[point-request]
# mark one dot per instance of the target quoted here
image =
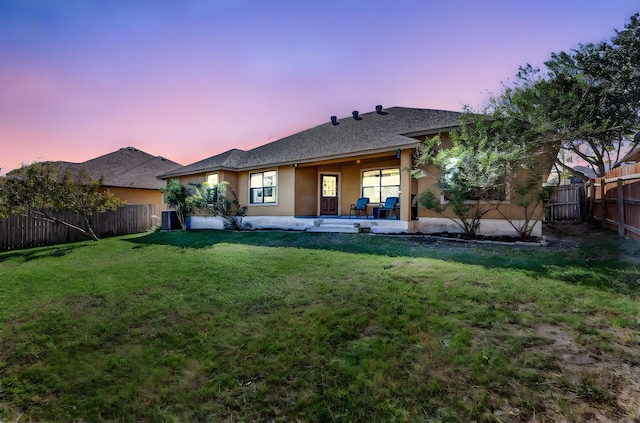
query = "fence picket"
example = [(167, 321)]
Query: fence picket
[(26, 231), (617, 201), (566, 203)]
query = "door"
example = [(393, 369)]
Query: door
[(329, 195)]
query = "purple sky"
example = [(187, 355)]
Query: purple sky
[(192, 78)]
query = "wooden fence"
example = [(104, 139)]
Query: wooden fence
[(26, 231), (566, 204), (615, 200)]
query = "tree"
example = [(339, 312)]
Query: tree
[(214, 201), (492, 158), (39, 189), (180, 198), (587, 102), (200, 197)]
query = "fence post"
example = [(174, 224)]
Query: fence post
[(603, 201), (592, 197), (620, 209)]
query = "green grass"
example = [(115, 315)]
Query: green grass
[(283, 326)]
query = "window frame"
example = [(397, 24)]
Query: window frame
[(450, 168), (273, 187), (212, 189), (380, 186)]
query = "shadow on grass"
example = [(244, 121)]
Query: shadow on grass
[(592, 264), (36, 253)]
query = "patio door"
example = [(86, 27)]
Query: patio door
[(329, 196)]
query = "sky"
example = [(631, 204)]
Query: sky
[(188, 79)]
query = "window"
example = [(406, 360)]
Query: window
[(476, 189), (213, 179), (262, 188), (380, 184)]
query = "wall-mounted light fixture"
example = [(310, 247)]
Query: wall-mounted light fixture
[(398, 153)]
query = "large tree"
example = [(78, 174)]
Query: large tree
[(586, 101), (492, 157), (40, 189)]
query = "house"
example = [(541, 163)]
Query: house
[(129, 173), (312, 178)]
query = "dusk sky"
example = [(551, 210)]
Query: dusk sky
[(193, 78)]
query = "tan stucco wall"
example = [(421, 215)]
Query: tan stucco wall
[(509, 208), (137, 196), (307, 191), (351, 182), (196, 178), (298, 188), (285, 193)]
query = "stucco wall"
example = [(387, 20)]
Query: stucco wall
[(351, 182), (137, 196), (196, 178), (285, 193), (509, 207), (307, 191)]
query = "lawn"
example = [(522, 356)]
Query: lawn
[(283, 326)]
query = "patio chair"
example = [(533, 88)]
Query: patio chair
[(390, 208), (359, 207)]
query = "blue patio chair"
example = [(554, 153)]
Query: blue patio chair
[(391, 206), (359, 207)]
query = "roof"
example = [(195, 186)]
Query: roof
[(633, 155), (129, 168), (125, 168), (586, 171), (227, 160), (371, 132)]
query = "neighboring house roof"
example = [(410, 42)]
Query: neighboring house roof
[(368, 133), (129, 168), (125, 168), (633, 155), (586, 171)]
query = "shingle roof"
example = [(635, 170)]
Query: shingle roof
[(372, 132), (227, 160), (129, 168), (586, 171), (125, 168)]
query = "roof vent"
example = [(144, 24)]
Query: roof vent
[(379, 110), (334, 121), (356, 115)]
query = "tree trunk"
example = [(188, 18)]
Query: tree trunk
[(44, 216)]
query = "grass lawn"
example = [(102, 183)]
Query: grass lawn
[(282, 326)]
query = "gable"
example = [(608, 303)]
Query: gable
[(129, 168)]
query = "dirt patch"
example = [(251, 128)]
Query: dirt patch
[(608, 380)]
